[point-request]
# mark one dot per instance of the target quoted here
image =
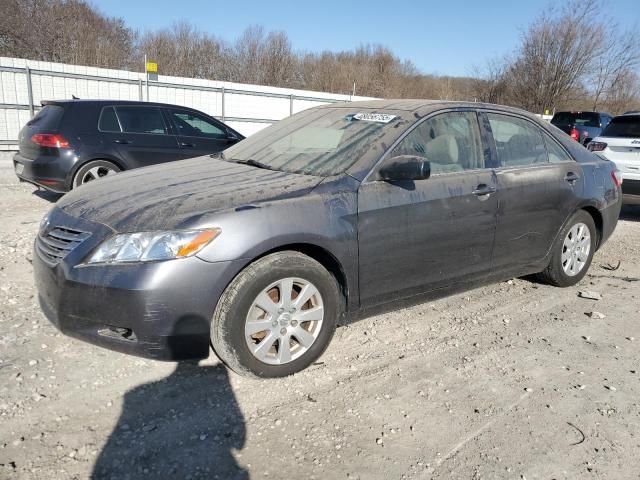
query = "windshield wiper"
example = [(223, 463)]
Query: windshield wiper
[(254, 163)]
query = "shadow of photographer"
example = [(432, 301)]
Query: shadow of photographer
[(183, 426)]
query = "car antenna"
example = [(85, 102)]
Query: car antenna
[(74, 97)]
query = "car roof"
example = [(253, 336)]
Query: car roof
[(80, 101), (423, 107)]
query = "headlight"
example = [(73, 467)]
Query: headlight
[(148, 246)]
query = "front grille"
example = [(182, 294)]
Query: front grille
[(58, 243)]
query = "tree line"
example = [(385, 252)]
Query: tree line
[(572, 57)]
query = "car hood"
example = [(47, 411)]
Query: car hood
[(179, 194)]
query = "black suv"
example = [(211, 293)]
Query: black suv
[(581, 126), (72, 142)]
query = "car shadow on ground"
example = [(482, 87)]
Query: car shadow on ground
[(630, 213), (51, 197), (183, 426)]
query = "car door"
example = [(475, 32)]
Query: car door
[(199, 134), (422, 235), (538, 186), (139, 133)]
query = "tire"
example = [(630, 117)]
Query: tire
[(262, 352), (93, 170), (558, 272)]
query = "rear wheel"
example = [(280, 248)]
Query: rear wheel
[(94, 170), (572, 252), (277, 316)]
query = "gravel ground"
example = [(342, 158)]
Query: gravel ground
[(514, 380)]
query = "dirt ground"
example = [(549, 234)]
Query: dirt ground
[(514, 380)]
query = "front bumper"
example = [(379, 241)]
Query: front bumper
[(50, 172), (159, 310)]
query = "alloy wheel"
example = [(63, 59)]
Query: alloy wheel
[(575, 249), (284, 321)]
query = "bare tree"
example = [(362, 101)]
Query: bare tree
[(489, 83), (556, 53), (619, 57), (567, 58)]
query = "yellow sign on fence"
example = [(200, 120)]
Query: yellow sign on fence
[(152, 67)]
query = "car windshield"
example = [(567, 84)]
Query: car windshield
[(323, 142), (583, 119), (627, 127)]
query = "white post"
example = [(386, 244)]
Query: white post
[(146, 75)]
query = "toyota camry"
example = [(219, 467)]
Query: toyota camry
[(324, 218)]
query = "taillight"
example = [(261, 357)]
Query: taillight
[(596, 146), (617, 177), (575, 134), (52, 140)]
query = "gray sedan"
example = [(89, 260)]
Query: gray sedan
[(326, 217)]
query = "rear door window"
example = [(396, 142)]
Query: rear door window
[(625, 127), (191, 124), (518, 142), (141, 120), (108, 121), (450, 141)]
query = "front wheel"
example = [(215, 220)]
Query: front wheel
[(572, 251), (277, 316)]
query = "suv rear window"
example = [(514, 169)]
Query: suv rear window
[(48, 117), (583, 119), (627, 127)]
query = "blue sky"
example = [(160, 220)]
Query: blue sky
[(446, 37)]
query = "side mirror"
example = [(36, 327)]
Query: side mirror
[(405, 167)]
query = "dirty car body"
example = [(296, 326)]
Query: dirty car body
[(490, 207)]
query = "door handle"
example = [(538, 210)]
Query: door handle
[(571, 178), (484, 189), (187, 145), (121, 141)]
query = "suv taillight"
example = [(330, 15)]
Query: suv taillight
[(52, 140), (596, 146), (617, 177), (575, 134)]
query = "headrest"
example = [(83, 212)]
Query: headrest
[(443, 150)]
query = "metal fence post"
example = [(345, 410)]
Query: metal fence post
[(223, 111), (140, 90), (29, 90), (290, 105)]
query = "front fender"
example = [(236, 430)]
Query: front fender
[(323, 220)]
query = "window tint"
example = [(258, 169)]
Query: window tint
[(450, 141), (555, 151), (518, 142), (141, 120), (192, 125), (108, 121), (48, 117), (627, 126)]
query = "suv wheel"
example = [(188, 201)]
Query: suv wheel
[(277, 316), (572, 251), (94, 170)]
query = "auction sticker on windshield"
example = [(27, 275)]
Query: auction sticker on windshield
[(374, 117)]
